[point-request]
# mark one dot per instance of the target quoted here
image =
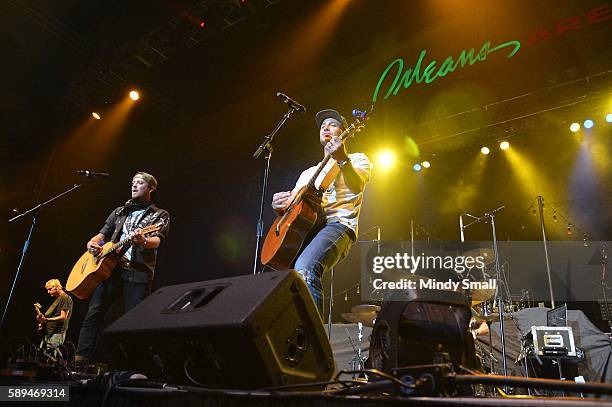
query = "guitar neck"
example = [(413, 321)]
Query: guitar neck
[(116, 246), (145, 231)]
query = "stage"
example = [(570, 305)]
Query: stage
[(233, 197), (155, 395)]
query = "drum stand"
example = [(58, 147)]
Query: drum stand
[(487, 312), (358, 362)]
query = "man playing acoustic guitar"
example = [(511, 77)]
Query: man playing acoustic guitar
[(132, 277), (343, 180)]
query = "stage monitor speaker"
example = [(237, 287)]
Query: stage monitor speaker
[(245, 332), (412, 332)]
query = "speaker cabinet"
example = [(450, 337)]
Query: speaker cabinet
[(408, 333), (244, 332)]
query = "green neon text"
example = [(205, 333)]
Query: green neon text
[(430, 74)]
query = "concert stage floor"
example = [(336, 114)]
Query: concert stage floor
[(89, 395), (147, 393)]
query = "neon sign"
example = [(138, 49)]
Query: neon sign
[(430, 74)]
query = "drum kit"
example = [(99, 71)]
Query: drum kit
[(484, 313)]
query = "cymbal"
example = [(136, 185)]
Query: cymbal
[(481, 295), (364, 313), (487, 318), (350, 317), (486, 253), (365, 309)]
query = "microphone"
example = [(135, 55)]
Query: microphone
[(359, 114), (461, 228), (292, 103), (93, 174)]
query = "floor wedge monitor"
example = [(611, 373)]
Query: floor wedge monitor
[(249, 332)]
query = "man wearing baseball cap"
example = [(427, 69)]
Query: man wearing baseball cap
[(343, 181), (132, 278)]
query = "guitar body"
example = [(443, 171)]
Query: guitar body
[(89, 271), (289, 231)]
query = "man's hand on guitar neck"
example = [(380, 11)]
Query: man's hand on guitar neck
[(138, 238), (148, 242), (280, 201), (336, 148)]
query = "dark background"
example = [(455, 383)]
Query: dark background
[(207, 104)]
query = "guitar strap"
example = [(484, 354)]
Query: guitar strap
[(52, 307), (135, 225), (125, 210), (329, 173), (142, 218)]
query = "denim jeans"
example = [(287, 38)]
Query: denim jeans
[(101, 300), (328, 247), (51, 344)]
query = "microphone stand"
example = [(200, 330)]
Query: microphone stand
[(545, 241), (35, 211), (266, 145), (498, 296), (500, 302), (604, 286)]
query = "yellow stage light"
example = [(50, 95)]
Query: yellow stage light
[(134, 95), (485, 150), (385, 159), (574, 127), (504, 145), (426, 164), (96, 115)]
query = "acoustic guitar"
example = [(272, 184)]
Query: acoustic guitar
[(287, 234), (37, 308), (90, 270)]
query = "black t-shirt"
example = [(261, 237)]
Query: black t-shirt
[(59, 327)]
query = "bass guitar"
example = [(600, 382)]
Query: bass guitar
[(287, 234), (37, 308), (91, 269)]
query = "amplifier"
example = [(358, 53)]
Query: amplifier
[(553, 341)]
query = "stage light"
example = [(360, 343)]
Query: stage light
[(385, 159), (417, 167), (504, 145), (588, 123), (574, 127), (134, 95), (202, 24), (609, 117), (426, 164), (485, 150), (96, 115)]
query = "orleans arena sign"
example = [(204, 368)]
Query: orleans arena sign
[(421, 73)]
